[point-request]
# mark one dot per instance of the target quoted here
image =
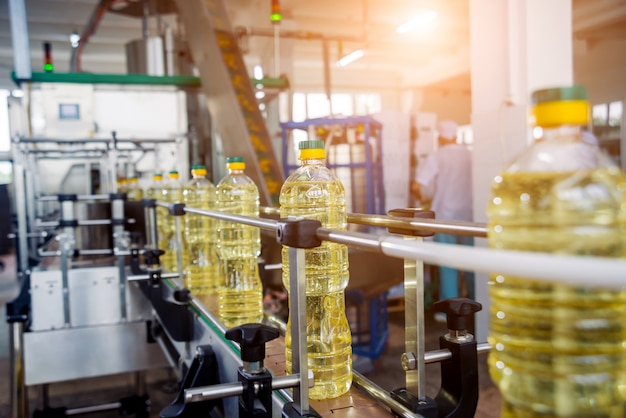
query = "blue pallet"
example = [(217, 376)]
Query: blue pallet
[(368, 320)]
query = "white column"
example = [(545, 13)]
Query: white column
[(517, 46)]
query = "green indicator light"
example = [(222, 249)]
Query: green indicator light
[(276, 17), (48, 67)]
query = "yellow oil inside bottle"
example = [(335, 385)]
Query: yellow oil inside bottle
[(202, 268), (153, 191), (134, 190), (558, 350), (328, 332), (240, 295)]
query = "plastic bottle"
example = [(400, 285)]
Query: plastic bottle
[(314, 192), (202, 269), (559, 350), (171, 192), (240, 296), (122, 185), (153, 191), (134, 191)]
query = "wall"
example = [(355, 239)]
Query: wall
[(601, 68), (453, 104)]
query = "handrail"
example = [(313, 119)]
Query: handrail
[(570, 269), (474, 229)]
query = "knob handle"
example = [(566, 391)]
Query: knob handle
[(152, 256), (458, 311), (252, 339)]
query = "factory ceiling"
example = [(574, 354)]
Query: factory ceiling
[(434, 54)]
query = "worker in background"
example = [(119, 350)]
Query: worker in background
[(445, 179)]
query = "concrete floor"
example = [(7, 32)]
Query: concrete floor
[(385, 371)]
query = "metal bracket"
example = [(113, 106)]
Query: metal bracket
[(174, 315), (202, 372)]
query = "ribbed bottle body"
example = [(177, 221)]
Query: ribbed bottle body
[(240, 295), (171, 192), (313, 192), (559, 350), (202, 268)]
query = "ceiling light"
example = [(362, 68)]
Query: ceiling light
[(258, 72), (351, 57), (416, 22), (74, 39)]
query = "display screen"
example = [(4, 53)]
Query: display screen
[(69, 111)]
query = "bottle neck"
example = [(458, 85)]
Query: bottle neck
[(234, 171), (560, 133), (312, 161)]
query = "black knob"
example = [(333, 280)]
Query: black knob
[(458, 311), (252, 339), (182, 295), (152, 256)]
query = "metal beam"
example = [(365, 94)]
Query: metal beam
[(19, 34), (230, 96)]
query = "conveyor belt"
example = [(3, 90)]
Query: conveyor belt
[(230, 97), (353, 404)]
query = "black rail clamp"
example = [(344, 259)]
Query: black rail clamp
[(118, 196), (175, 315), (73, 223), (176, 209), (458, 395), (298, 232), (67, 197), (148, 203), (256, 400)]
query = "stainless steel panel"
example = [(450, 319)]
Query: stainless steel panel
[(46, 293), (94, 296), (76, 353)]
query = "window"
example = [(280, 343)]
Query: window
[(315, 105), (607, 125)]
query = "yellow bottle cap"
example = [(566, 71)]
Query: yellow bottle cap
[(560, 106), (312, 150), (235, 163)]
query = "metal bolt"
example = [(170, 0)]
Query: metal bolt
[(409, 361)]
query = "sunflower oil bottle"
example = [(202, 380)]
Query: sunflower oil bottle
[(202, 268), (558, 350), (171, 192), (153, 190), (240, 295), (122, 184), (134, 190), (314, 192)]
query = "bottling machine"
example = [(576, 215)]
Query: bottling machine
[(95, 301), (86, 312)]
